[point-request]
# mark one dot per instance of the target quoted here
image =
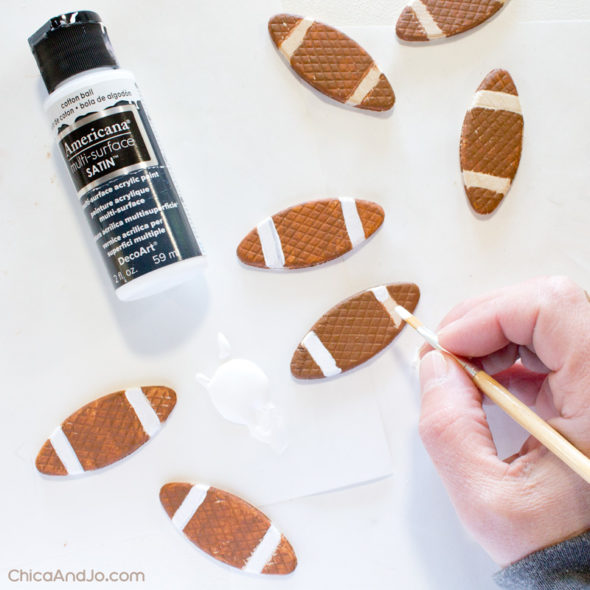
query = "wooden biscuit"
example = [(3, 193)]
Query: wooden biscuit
[(106, 430), (491, 141), (353, 331), (425, 20), (228, 528), (331, 62), (310, 233)]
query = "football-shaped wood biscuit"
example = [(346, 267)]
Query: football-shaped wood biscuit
[(310, 233), (491, 141), (228, 528), (106, 430), (331, 62), (424, 20), (353, 332)]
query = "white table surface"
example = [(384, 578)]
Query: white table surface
[(245, 139)]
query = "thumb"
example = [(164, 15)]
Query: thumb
[(454, 429)]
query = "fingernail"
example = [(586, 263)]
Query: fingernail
[(433, 368), (424, 350)]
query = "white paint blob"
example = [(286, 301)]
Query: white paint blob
[(240, 392)]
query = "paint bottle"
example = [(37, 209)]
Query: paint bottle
[(124, 185)]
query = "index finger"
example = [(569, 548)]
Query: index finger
[(549, 315)]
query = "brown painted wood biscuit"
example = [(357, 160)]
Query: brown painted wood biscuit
[(228, 528), (106, 430), (425, 20), (331, 62), (353, 331), (310, 233), (491, 141)]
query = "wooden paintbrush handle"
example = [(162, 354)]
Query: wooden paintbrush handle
[(543, 432)]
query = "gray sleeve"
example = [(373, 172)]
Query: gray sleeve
[(565, 566)]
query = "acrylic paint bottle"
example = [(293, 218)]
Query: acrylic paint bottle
[(136, 215)]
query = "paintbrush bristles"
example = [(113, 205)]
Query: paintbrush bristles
[(413, 321), (432, 338)]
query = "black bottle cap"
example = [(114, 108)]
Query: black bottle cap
[(69, 44)]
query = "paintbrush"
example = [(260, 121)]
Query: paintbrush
[(522, 414)]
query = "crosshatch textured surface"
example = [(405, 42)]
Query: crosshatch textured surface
[(312, 233), (451, 17), (228, 528), (105, 430), (355, 330), (491, 143), (332, 63)]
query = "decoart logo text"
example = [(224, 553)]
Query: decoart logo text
[(57, 575)]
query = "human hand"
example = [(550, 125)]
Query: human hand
[(535, 339)]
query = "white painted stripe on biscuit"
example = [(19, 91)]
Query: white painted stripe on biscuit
[(64, 450), (272, 248), (291, 43), (264, 552), (381, 293), (389, 304), (143, 410), (369, 81), (195, 497), (321, 355), (424, 17), (352, 220), (487, 181), (497, 101)]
